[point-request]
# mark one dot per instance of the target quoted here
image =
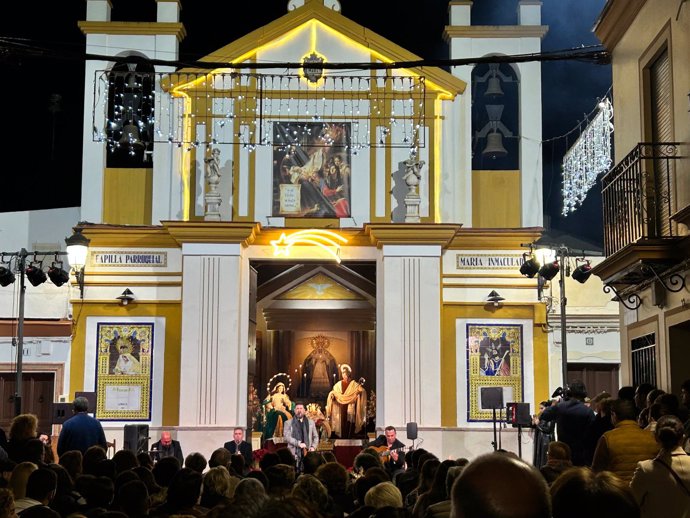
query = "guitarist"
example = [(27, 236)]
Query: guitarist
[(300, 434), (396, 459)]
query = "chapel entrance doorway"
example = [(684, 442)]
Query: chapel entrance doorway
[(307, 321)]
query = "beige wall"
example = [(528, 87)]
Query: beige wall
[(654, 24)]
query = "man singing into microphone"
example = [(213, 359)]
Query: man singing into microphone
[(300, 434)]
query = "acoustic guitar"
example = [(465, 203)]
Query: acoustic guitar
[(385, 453)]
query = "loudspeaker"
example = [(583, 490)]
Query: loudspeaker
[(136, 438), (491, 397), (411, 431), (61, 412), (517, 414)]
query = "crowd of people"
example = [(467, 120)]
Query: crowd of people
[(636, 468)]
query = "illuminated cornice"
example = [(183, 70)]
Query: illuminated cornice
[(411, 234), (495, 31), (212, 232), (125, 236), (494, 239), (134, 28)]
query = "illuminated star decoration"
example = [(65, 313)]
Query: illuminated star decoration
[(325, 239)]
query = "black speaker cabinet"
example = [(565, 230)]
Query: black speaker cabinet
[(517, 414), (136, 438), (61, 412), (491, 397), (411, 431)]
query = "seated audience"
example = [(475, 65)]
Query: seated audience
[(195, 461), (558, 460)]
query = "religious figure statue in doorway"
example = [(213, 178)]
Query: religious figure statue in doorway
[(320, 369), (346, 405), (279, 408)]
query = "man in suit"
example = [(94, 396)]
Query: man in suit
[(166, 447), (239, 445), (81, 431), (300, 434)]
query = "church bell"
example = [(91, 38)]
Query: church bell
[(494, 146), (493, 87)]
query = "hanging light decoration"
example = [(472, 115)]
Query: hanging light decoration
[(588, 158)]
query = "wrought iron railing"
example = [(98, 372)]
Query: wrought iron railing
[(638, 197)]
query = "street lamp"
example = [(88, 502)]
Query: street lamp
[(15, 263)]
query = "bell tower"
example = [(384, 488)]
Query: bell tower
[(502, 149)]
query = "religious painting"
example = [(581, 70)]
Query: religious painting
[(311, 169), (123, 371), (494, 362)]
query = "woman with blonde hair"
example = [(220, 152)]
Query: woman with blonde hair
[(384, 494), (24, 427), (19, 479), (7, 504)]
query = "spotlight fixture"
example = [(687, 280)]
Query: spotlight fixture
[(549, 270), (35, 274), (57, 274), (6, 276), (126, 297), (583, 271), (530, 266), (494, 298)]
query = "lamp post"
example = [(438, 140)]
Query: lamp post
[(562, 257), (36, 276)]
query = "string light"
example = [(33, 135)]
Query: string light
[(589, 157)]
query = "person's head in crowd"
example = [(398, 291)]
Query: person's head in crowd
[(260, 477), (92, 456), (217, 486), (23, 427), (641, 392), (80, 404), (124, 460), (364, 461), (268, 460), (426, 474), (64, 481), (377, 474), (334, 477), (289, 507), (122, 478), (383, 494), (416, 455), (655, 412), (310, 489), (623, 410), (437, 491), (391, 512), (596, 401), (7, 504), (42, 485), (653, 395), (311, 462), (285, 456), (146, 476), (144, 459), (250, 490), (164, 470), (6, 468), (281, 477), (20, 477), (685, 393), (559, 451), (361, 486), (577, 390), (97, 491), (35, 452), (219, 457), (626, 392), (329, 456), (669, 403), (71, 461), (451, 476), (105, 468), (133, 498), (423, 458), (184, 489), (500, 486), (195, 461), (643, 418), (579, 492), (669, 432), (406, 482), (237, 464)]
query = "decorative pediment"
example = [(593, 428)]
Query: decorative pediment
[(320, 287)]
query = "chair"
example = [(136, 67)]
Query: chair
[(111, 448)]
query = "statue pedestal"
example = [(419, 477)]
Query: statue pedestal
[(213, 201), (412, 202)]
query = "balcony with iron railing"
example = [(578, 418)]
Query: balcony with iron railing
[(640, 234)]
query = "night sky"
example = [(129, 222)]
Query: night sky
[(41, 160)]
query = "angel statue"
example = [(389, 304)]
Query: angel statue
[(278, 408)]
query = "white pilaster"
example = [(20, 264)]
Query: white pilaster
[(214, 336), (408, 351)]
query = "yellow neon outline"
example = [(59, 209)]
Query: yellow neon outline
[(314, 237)]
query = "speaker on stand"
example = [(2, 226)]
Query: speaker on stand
[(412, 432), (136, 438), (492, 398), (517, 414)]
